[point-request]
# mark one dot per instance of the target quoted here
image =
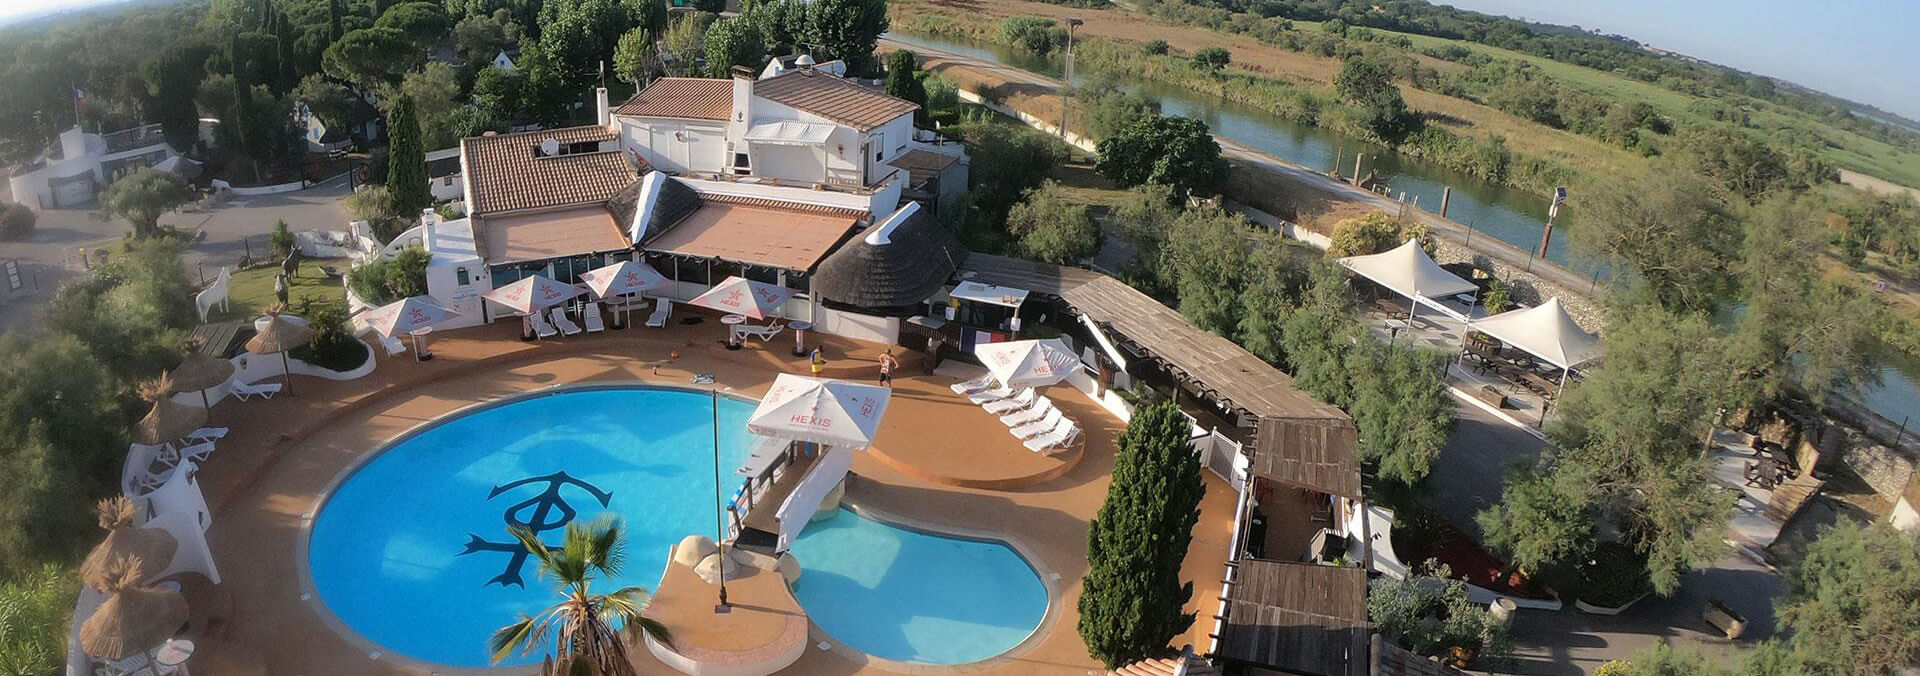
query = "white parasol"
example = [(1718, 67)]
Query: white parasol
[(1028, 363), (742, 296), (533, 294), (623, 278), (821, 411), (406, 316)]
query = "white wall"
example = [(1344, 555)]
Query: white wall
[(443, 285), (892, 140), (884, 330), (675, 146), (1904, 516)]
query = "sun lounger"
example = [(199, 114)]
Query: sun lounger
[(196, 452), (540, 326), (972, 386), (662, 311), (1058, 437), (1018, 402), (561, 322), (995, 394), (208, 434), (393, 345), (1052, 420), (1037, 411), (246, 391), (764, 333), (591, 317)]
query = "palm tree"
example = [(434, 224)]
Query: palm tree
[(585, 641)]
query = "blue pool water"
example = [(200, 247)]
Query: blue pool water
[(386, 548), (908, 596)]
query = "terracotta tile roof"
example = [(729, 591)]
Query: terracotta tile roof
[(508, 174), (833, 98), (685, 97), (1165, 666)]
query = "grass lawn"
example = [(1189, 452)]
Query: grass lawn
[(251, 292)]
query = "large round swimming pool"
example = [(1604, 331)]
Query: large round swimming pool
[(411, 550)]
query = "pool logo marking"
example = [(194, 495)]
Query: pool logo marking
[(542, 520)]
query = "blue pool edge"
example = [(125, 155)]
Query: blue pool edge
[(303, 540), (1044, 628)]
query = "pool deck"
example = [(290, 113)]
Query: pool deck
[(939, 462)]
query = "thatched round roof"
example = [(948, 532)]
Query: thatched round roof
[(199, 371), (167, 420), (152, 548), (279, 335), (134, 619), (893, 267)]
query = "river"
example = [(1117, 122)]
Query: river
[(1514, 216)]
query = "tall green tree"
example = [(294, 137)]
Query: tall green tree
[(496, 94), (435, 93), (407, 168), (1677, 233), (1400, 407), (635, 59), (848, 30), (1207, 260), (173, 78), (1801, 333), (1319, 332), (1048, 227), (424, 23), (544, 89), (1851, 604), (683, 47), (1170, 150), (370, 56), (1367, 86), (143, 196), (589, 632), (734, 42), (1133, 600), (903, 82), (1275, 279)]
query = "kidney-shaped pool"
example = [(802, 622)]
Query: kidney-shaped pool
[(904, 595)]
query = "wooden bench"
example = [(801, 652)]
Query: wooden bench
[(1491, 395)]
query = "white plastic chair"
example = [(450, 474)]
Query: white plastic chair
[(1060, 436), (540, 326), (1019, 402), (565, 325), (661, 313), (249, 390), (591, 316)]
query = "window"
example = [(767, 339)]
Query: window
[(740, 161), (763, 275), (461, 277), (690, 270)]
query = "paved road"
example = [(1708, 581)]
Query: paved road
[(49, 257)]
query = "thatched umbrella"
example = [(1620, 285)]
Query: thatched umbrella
[(280, 337), (168, 420), (134, 620), (198, 372), (151, 548)]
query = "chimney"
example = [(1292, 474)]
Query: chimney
[(743, 78), (602, 114)]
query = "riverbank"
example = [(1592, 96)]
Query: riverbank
[(1460, 135)]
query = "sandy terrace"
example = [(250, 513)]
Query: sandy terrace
[(271, 472)]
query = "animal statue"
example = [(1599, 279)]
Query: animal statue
[(291, 266), (280, 288)]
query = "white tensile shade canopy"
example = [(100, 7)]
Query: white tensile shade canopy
[(820, 411), (532, 294), (1545, 331), (622, 278), (742, 296), (1408, 271), (1028, 363), (407, 315)]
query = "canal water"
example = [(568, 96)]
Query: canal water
[(1513, 216)]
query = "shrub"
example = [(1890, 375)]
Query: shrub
[(33, 622), (1429, 612), (1158, 47), (16, 222), (1361, 235), (1047, 227), (1613, 575), (332, 346), (1212, 58), (1499, 297), (281, 241), (1034, 34), (384, 281)]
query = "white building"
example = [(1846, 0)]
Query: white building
[(444, 179), (85, 163)]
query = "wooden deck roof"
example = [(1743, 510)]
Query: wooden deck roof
[(1298, 439), (1299, 617)]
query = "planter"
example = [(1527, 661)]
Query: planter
[(1591, 609)]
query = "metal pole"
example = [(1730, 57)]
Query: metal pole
[(719, 520)]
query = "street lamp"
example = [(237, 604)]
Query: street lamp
[(1066, 87), (719, 515)]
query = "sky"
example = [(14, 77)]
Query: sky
[(1850, 48), (1857, 49)]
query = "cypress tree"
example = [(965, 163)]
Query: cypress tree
[(406, 161), (903, 82), (1131, 606)]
